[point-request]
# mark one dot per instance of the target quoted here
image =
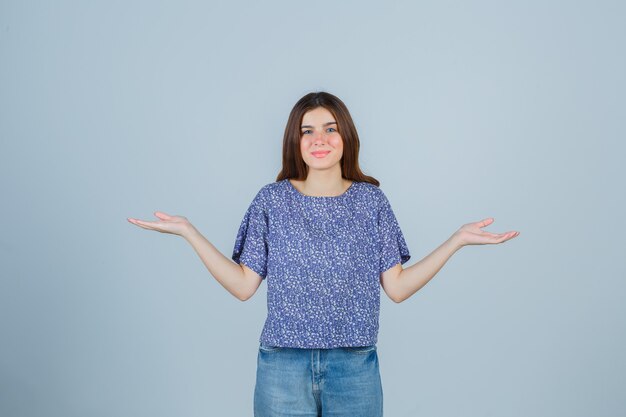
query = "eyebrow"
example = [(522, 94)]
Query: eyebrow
[(325, 124)]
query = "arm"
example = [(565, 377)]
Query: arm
[(400, 284), (238, 279)]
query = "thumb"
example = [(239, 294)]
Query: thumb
[(161, 215), (487, 221)]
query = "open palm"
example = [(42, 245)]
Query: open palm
[(471, 234), (176, 225)]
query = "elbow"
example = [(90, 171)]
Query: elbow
[(246, 294), (399, 297), (392, 283), (395, 298), (244, 297)]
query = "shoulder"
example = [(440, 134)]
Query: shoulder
[(369, 188), (269, 192), (371, 193), (274, 189)]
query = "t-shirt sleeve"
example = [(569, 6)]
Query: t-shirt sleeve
[(393, 246), (251, 242)]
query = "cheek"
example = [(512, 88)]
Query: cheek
[(304, 147), (336, 142)]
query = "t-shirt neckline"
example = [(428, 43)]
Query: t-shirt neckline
[(290, 185)]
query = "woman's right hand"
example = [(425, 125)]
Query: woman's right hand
[(176, 225)]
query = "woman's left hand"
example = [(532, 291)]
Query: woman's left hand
[(471, 234)]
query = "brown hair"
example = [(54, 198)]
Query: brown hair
[(293, 164)]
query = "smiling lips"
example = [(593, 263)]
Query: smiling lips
[(320, 154)]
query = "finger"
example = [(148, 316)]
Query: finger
[(161, 215), (509, 235), (506, 234), (498, 238), (144, 224), (482, 223), (486, 222)]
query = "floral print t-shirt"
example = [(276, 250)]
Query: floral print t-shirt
[(321, 258)]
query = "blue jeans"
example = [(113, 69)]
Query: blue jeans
[(335, 382)]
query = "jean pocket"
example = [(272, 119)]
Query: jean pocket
[(269, 349), (360, 349)]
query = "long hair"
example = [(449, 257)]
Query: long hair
[(293, 164)]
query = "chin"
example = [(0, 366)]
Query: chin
[(322, 166)]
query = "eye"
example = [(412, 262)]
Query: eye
[(305, 131), (331, 129)]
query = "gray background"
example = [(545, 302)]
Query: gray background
[(466, 110)]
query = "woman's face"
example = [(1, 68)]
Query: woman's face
[(320, 143)]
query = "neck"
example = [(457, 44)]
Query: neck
[(324, 183)]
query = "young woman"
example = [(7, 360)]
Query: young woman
[(325, 238)]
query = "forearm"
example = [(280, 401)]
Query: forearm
[(229, 274), (416, 276)]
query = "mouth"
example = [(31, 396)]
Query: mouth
[(320, 154)]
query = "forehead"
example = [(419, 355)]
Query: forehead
[(317, 116)]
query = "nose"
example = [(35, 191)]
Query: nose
[(319, 136)]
